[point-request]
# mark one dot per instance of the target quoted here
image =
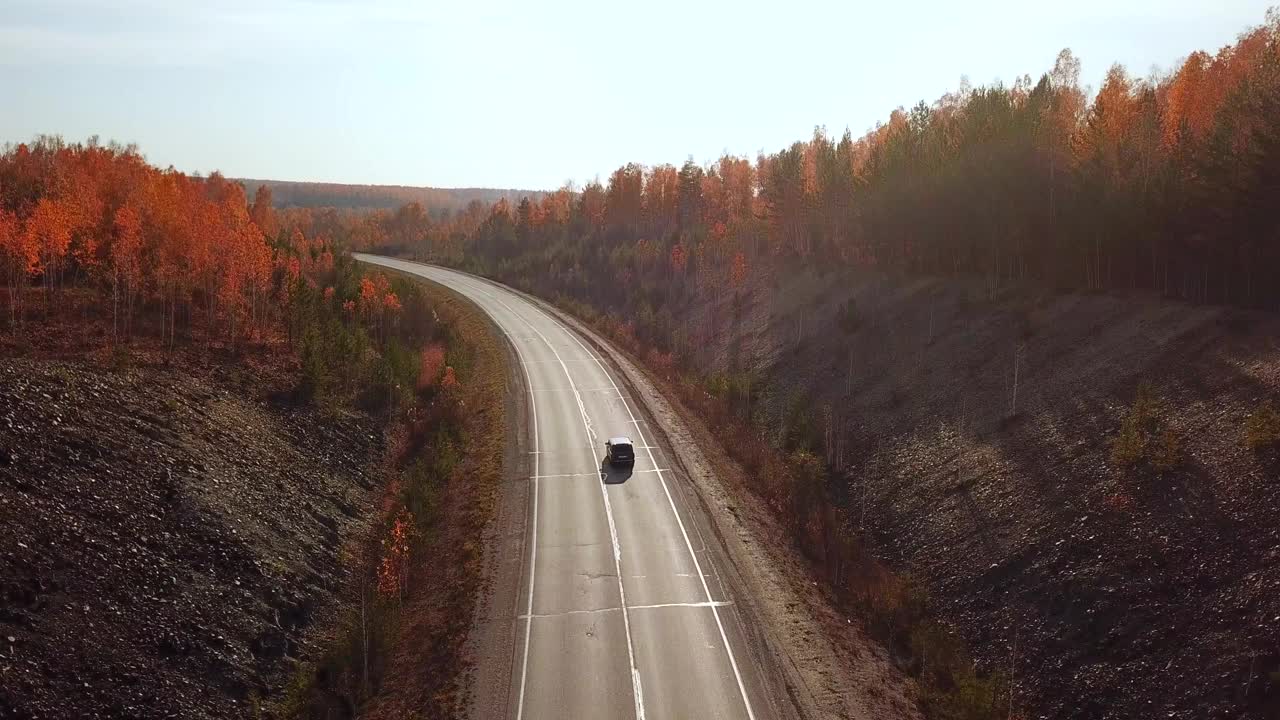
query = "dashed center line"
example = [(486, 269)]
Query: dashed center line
[(714, 603), (594, 474), (589, 449), (581, 390), (636, 686)]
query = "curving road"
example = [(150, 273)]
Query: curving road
[(621, 613)]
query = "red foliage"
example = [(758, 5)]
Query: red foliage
[(368, 292), (18, 260), (450, 379), (679, 258), (293, 268), (324, 263), (186, 246), (431, 366), (373, 292), (49, 232), (661, 361), (393, 571), (738, 273), (16, 245)]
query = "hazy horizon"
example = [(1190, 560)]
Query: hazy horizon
[(525, 97)]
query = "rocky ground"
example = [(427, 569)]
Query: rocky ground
[(1106, 592), (170, 538)]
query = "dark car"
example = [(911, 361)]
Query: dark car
[(620, 451)]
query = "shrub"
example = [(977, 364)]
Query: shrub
[(970, 697), (1130, 444), (315, 375), (1262, 429), (1166, 454), (1145, 439), (808, 491)]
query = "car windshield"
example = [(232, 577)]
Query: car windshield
[(622, 449)]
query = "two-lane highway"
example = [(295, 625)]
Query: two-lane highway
[(622, 614)]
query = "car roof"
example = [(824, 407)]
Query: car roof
[(620, 441)]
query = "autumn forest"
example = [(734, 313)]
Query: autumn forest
[(999, 196), (1164, 184)]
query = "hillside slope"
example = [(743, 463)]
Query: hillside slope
[(1109, 592), (169, 539)]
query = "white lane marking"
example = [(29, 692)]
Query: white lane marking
[(711, 604), (636, 688), (533, 541), (569, 612), (714, 604), (548, 362), (585, 390), (565, 450), (688, 545), (597, 474)]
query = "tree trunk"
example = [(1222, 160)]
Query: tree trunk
[(115, 311)]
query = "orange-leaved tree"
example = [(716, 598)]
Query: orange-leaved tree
[(393, 572), (431, 365), (18, 259), (49, 232), (124, 260)]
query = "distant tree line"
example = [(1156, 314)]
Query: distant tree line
[(1168, 184), (438, 202)]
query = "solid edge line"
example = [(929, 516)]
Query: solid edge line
[(746, 701), (533, 540)]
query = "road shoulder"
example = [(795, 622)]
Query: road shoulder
[(492, 644)]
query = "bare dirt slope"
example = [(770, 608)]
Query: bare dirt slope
[(169, 539), (1110, 593)]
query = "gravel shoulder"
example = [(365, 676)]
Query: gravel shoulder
[(491, 646)]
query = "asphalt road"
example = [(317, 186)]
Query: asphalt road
[(622, 614)]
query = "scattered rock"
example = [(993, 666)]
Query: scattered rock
[(149, 532)]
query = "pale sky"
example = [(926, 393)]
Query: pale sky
[(529, 94)]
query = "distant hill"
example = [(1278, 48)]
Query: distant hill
[(286, 194)]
